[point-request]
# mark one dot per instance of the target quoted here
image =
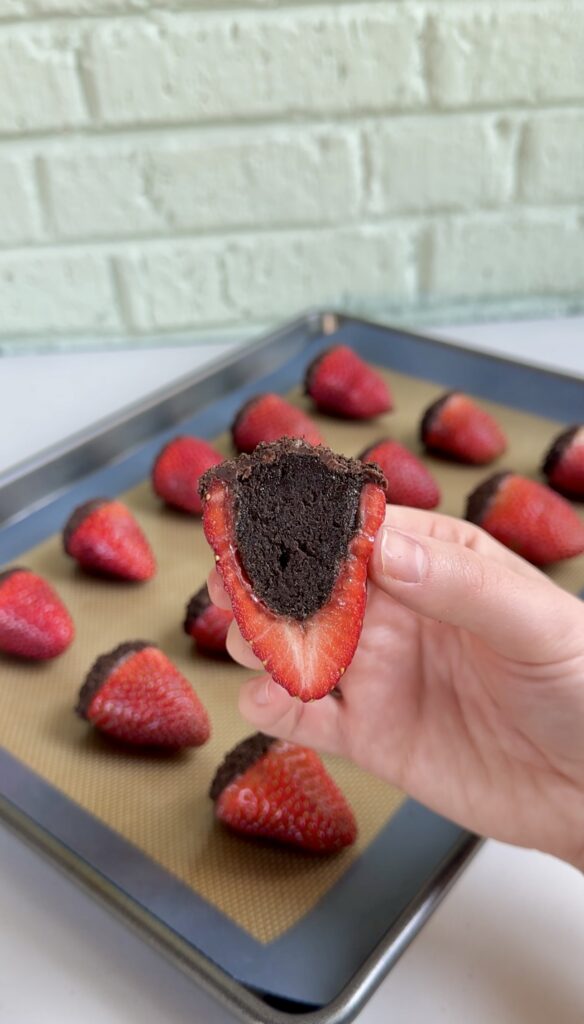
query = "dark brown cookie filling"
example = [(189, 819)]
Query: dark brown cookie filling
[(296, 509)]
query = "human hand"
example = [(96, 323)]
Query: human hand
[(466, 690)]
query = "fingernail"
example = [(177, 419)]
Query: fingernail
[(402, 557), (261, 693)]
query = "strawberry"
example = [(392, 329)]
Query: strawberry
[(339, 382), (292, 528), (178, 468), (409, 482), (456, 427), (103, 536), (269, 417), (276, 790), (564, 463), (135, 694), (207, 624), (34, 622), (527, 517)]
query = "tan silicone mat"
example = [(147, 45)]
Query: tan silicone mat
[(160, 803)]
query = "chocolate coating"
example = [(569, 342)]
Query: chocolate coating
[(198, 603), (563, 441), (430, 414), (238, 760), (479, 499), (102, 668), (78, 516)]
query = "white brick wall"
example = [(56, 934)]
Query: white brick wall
[(201, 167)]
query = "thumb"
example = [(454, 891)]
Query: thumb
[(517, 615), (272, 710)]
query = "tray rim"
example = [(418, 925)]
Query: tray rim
[(234, 996), (215, 982), (81, 444)]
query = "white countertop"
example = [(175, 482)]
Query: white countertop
[(505, 947)]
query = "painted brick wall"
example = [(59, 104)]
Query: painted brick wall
[(196, 168)]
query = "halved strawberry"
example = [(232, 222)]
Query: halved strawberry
[(135, 694), (103, 536), (527, 517), (207, 624), (292, 528), (564, 463), (178, 468), (34, 622), (456, 427), (340, 382), (409, 481), (268, 418), (276, 790)]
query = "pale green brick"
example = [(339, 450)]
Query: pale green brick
[(46, 292), (199, 68), (259, 177), (488, 54), (533, 253), (552, 159), (19, 213), (39, 85)]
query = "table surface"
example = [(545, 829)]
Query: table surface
[(506, 944)]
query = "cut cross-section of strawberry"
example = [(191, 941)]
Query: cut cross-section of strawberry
[(292, 528)]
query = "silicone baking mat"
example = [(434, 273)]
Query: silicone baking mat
[(158, 804)]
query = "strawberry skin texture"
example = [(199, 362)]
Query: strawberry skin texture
[(146, 701), (409, 482), (287, 796), (457, 427), (178, 469), (34, 622), (340, 382), (268, 418), (207, 624), (564, 463), (109, 541), (307, 658), (527, 517)]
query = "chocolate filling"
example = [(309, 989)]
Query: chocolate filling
[(478, 500), (198, 603), (430, 414), (558, 448), (78, 516), (238, 760), (102, 668), (296, 508)]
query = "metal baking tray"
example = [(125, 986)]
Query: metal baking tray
[(326, 967)]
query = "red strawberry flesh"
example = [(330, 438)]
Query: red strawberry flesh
[(564, 463), (136, 695), (295, 563), (207, 624), (279, 791), (341, 383), (456, 427), (268, 418), (34, 622), (527, 517), (409, 481), (104, 538), (178, 469)]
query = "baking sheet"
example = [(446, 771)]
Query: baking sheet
[(159, 804)]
